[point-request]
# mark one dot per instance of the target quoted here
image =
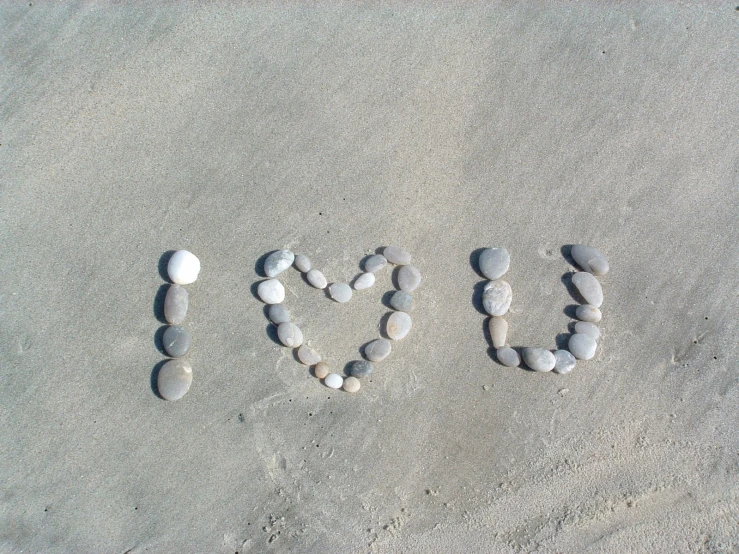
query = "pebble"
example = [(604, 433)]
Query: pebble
[(589, 288), (398, 325), (498, 331), (183, 267), (176, 341), (539, 359), (375, 263), (582, 346), (302, 263), (586, 312), (278, 313), (364, 281), (564, 362), (396, 255), (590, 259), (271, 291), (409, 278), (333, 381), (508, 357), (496, 297), (290, 335), (321, 370), (352, 384), (360, 368), (277, 262), (588, 329), (308, 355), (341, 292), (316, 279), (174, 379), (378, 350), (494, 262), (401, 301), (175, 304)]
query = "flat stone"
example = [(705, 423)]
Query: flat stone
[(183, 267), (378, 350), (508, 357), (277, 262), (409, 278), (352, 384), (494, 262), (176, 303), (341, 292), (316, 279), (589, 288), (396, 255), (321, 370), (278, 313), (333, 381), (588, 329), (271, 291), (174, 379), (497, 297), (308, 355), (290, 335), (398, 325), (302, 263), (586, 312), (590, 259), (582, 346), (539, 359), (401, 301), (364, 281), (498, 331), (375, 263), (176, 341), (564, 362), (360, 368)]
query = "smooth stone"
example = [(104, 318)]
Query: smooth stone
[(333, 381), (582, 346), (278, 313), (364, 281), (588, 329), (341, 292), (308, 355), (409, 278), (539, 359), (586, 312), (271, 291), (277, 262), (401, 301), (302, 263), (494, 262), (396, 255), (176, 303), (360, 368), (316, 279), (508, 357), (183, 267), (375, 263), (398, 325), (590, 259), (589, 288), (290, 335), (564, 362), (498, 331), (176, 341), (321, 370), (378, 350), (174, 379), (352, 384), (497, 297)]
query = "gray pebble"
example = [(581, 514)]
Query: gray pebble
[(360, 368), (175, 304), (496, 297), (375, 263), (409, 278), (271, 291), (590, 259), (307, 355), (582, 346), (396, 255), (302, 263), (508, 357), (401, 301), (398, 325), (341, 292), (290, 335), (564, 362), (539, 359), (316, 279), (176, 341), (498, 331), (277, 262), (589, 288), (278, 313), (174, 379), (588, 329), (586, 312), (364, 281), (494, 262), (378, 350)]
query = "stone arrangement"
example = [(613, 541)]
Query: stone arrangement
[(272, 292), (175, 376), (497, 297)]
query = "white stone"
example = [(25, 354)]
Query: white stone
[(564, 362), (278, 313), (364, 281), (302, 263), (375, 263), (352, 384), (398, 325), (341, 292), (396, 255), (508, 357), (316, 279), (582, 346), (539, 359), (378, 350), (588, 329), (333, 381), (496, 297), (308, 355), (277, 262), (174, 379), (409, 277), (271, 291), (586, 312), (290, 335), (590, 259), (589, 288), (183, 267), (498, 331), (494, 262)]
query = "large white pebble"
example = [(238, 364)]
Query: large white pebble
[(375, 263), (341, 292), (498, 331), (333, 381), (277, 262), (183, 267), (316, 279), (174, 379), (582, 346), (308, 355), (398, 325), (589, 329), (289, 334), (396, 255), (539, 359), (590, 259), (364, 281), (302, 263), (589, 288), (508, 357), (494, 262), (378, 350), (409, 277), (271, 291), (564, 362), (496, 297), (586, 312)]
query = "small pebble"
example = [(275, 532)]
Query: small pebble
[(539, 359), (496, 297), (494, 262), (375, 263), (302, 263), (364, 281), (277, 262), (588, 329), (590, 259), (586, 312), (398, 325), (174, 379), (378, 350), (564, 362), (409, 278), (360, 368), (341, 292), (307, 355), (508, 357), (278, 313), (401, 301), (396, 255), (183, 267), (290, 335), (333, 381), (589, 288), (175, 304), (582, 346), (498, 331), (176, 341), (321, 370), (352, 384), (271, 291), (316, 279)]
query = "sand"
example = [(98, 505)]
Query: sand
[(128, 131)]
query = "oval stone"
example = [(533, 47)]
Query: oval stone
[(590, 259), (496, 297), (352, 384), (401, 301), (582, 346), (174, 379), (589, 288), (308, 355), (271, 291), (398, 325), (278, 313), (321, 370), (316, 279), (409, 278), (360, 368), (539, 359), (396, 255), (494, 262), (176, 303), (176, 341), (183, 267), (375, 263), (588, 329), (498, 331), (277, 262), (290, 335), (586, 312), (564, 362), (378, 350), (508, 357), (333, 381), (364, 281), (341, 292), (302, 263)]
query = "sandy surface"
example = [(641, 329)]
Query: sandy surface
[(128, 131)]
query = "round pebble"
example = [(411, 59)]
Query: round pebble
[(401, 301), (183, 267), (409, 278), (508, 357), (588, 329), (278, 313), (341, 292), (302, 263), (564, 362), (398, 325), (321, 370), (176, 341), (378, 350), (277, 262), (308, 355), (333, 381), (360, 368), (352, 384), (589, 288), (396, 255), (290, 335), (174, 379), (375, 263), (498, 331), (497, 297), (539, 359), (175, 304), (364, 281), (590, 259), (582, 346), (316, 279), (271, 291), (494, 262), (586, 312)]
